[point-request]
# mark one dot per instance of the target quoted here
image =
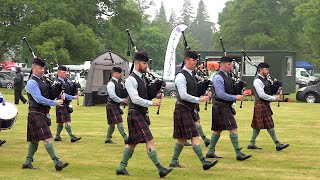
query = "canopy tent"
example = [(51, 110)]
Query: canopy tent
[(99, 75), (304, 64)]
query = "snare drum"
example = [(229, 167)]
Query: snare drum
[(8, 115)]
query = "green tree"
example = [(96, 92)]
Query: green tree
[(187, 12), (308, 14), (173, 19), (65, 41), (258, 24), (201, 28)]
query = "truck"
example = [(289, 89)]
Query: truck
[(303, 75)]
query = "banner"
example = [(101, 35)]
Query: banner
[(170, 59)]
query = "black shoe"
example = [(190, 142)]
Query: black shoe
[(187, 144), (281, 146), (57, 139), (109, 142), (25, 102), (2, 142), (209, 164), (213, 155), (243, 157), (176, 165), (207, 142), (75, 139), (60, 165), (28, 166), (126, 141), (164, 171), (253, 147), (122, 172)]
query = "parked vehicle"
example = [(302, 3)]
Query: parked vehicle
[(303, 75), (6, 81), (300, 83), (309, 94), (170, 89)]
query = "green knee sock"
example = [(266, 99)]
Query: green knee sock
[(50, 150), (154, 157), (31, 150), (121, 131), (127, 154), (198, 150), (235, 143), (59, 129), (213, 143), (110, 132), (68, 128), (255, 134), (273, 135), (200, 131), (176, 152)]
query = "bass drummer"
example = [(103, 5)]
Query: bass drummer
[(2, 101)]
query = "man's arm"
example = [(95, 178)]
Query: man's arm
[(181, 84), (32, 88), (132, 86), (218, 85), (259, 87), (111, 92)]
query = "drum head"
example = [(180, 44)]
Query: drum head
[(8, 111)]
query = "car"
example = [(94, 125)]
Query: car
[(300, 83), (6, 81), (309, 94), (170, 89), (8, 73)]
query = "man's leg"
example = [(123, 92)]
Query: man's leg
[(49, 147), (178, 147), (198, 150), (127, 154), (109, 134), (252, 145), (201, 133), (235, 142), (121, 131), (154, 157), (59, 129), (212, 148), (33, 147)]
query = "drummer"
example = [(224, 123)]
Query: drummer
[(2, 101)]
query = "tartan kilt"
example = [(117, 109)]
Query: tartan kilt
[(222, 117), (37, 127), (62, 114), (114, 114), (138, 126), (184, 122), (262, 116)]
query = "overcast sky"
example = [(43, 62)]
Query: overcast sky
[(213, 7)]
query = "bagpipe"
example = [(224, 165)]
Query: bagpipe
[(155, 85), (239, 86), (203, 84), (48, 77), (276, 86)]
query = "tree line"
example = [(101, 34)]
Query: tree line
[(78, 30)]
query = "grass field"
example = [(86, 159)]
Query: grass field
[(297, 124)]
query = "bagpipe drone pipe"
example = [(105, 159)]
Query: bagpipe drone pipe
[(239, 86)]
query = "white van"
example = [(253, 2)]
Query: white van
[(303, 75)]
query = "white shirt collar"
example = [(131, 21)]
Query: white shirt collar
[(188, 70), (139, 74)]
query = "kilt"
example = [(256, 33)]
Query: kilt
[(222, 117), (62, 114), (196, 114), (37, 127), (138, 126), (114, 114), (262, 116), (184, 122)]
